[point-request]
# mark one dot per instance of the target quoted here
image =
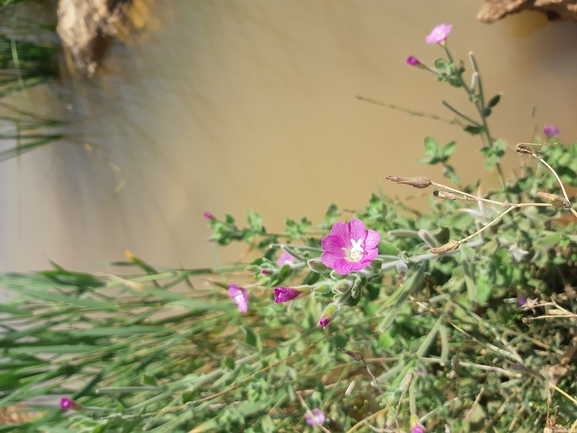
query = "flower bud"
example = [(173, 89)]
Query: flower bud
[(317, 266), (284, 294), (413, 61), (329, 314), (342, 286), (417, 181), (376, 264), (66, 403), (428, 238), (449, 246), (402, 269), (555, 199), (322, 287)]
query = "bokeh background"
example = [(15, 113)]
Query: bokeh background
[(223, 106)]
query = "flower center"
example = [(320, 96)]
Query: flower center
[(355, 254)]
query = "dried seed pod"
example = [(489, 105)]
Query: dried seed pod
[(449, 246), (416, 182)]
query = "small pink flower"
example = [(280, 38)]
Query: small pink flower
[(413, 61), (239, 296), (66, 403), (551, 131), (349, 247), (417, 428), (439, 34), (329, 314), (315, 417), (284, 294), (208, 216), (285, 259)]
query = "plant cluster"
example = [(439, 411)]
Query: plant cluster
[(460, 319)]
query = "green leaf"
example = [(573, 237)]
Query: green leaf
[(386, 341), (255, 221), (494, 101), (388, 249), (253, 338), (486, 112), (449, 148), (473, 129)]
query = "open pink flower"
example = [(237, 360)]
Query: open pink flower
[(285, 259), (315, 417), (551, 131), (439, 34), (239, 296), (349, 247)]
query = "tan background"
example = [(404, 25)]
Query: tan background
[(230, 105)]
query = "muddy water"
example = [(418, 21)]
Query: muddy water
[(231, 105)]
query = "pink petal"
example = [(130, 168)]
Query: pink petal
[(333, 243), (357, 230), (329, 258), (344, 267), (240, 297), (372, 240), (341, 230)]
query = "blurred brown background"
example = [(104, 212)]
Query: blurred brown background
[(230, 105)]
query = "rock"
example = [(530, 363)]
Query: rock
[(86, 28), (494, 10)]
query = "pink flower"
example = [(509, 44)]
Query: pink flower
[(66, 403), (349, 247), (315, 417), (417, 428), (439, 34), (285, 259), (329, 314), (208, 216), (551, 131), (284, 294), (240, 296), (413, 61)]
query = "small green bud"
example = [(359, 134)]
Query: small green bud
[(342, 286), (252, 268), (322, 287), (428, 238), (376, 264), (317, 266)]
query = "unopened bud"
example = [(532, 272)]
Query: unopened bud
[(554, 199), (417, 181), (428, 238), (252, 268), (322, 287), (284, 294), (376, 264), (317, 266), (342, 286), (449, 246), (402, 269), (329, 314)]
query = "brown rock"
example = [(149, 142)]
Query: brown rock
[(86, 26), (494, 10)]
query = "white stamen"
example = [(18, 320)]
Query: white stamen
[(356, 252)]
